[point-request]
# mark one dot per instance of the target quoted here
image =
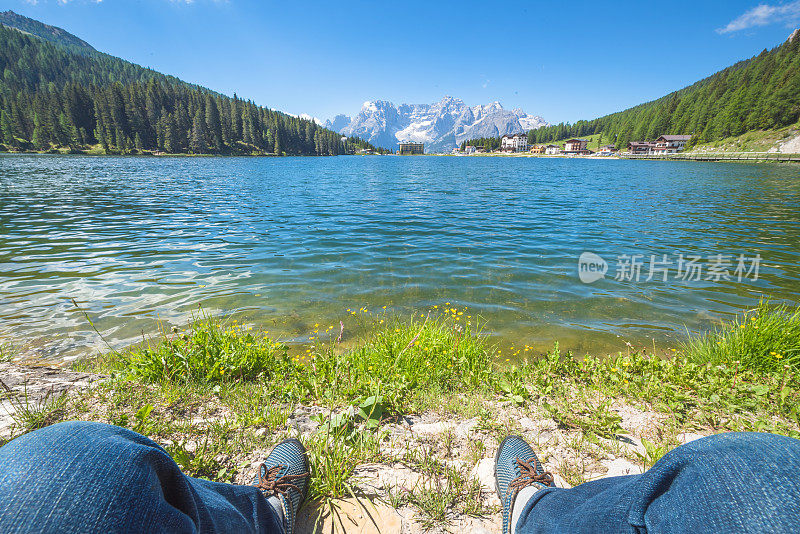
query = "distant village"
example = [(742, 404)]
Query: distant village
[(518, 143), (515, 143)]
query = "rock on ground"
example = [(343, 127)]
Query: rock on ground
[(31, 385)]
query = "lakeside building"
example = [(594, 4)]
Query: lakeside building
[(670, 144), (411, 149), (514, 143), (606, 150), (666, 144), (538, 149), (552, 150), (576, 146), (640, 147), (469, 149)]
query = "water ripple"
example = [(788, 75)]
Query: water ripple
[(294, 241)]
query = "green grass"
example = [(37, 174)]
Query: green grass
[(398, 365), (739, 377), (209, 351), (755, 141), (7, 352), (764, 339), (30, 413), (399, 359), (217, 391)]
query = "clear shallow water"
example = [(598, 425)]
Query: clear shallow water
[(290, 242)]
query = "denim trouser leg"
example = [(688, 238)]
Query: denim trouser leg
[(735, 482), (82, 477)]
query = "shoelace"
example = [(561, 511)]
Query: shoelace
[(273, 485), (528, 475)]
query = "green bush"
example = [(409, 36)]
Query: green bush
[(209, 351)]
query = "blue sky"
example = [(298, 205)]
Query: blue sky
[(328, 57)]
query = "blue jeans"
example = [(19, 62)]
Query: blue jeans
[(89, 477), (736, 482), (82, 477)]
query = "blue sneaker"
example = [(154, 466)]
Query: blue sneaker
[(515, 467), (286, 476)]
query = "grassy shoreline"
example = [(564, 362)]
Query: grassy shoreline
[(217, 395)]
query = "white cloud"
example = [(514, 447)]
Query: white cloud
[(763, 15)]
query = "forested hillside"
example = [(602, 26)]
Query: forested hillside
[(53, 96), (760, 93), (43, 31)]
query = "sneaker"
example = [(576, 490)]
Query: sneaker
[(516, 467), (285, 475)]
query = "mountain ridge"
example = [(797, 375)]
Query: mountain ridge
[(56, 96), (53, 34), (442, 125), (759, 93)]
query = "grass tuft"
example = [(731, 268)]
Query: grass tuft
[(765, 339), (208, 351), (7, 352), (31, 414)]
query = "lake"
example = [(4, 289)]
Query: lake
[(285, 243)]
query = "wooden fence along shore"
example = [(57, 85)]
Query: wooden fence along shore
[(730, 156)]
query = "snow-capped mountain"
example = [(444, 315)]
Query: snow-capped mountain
[(441, 126)]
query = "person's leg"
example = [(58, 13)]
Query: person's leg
[(91, 477), (735, 482)]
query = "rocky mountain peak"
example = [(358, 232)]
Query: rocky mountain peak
[(442, 126)]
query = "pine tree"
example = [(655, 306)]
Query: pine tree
[(197, 141), (7, 129), (170, 145), (39, 138), (213, 124)]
